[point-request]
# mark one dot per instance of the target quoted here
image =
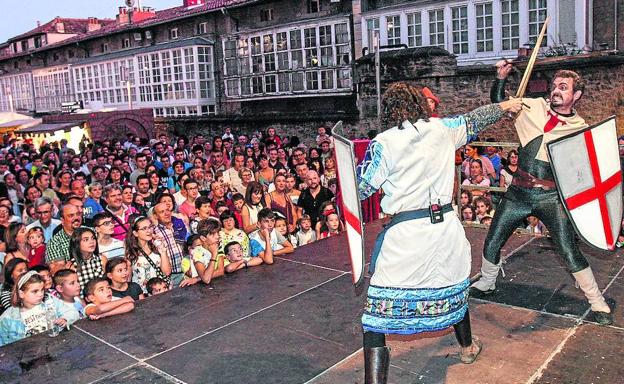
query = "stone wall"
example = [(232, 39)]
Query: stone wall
[(462, 89)]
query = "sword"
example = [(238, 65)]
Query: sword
[(527, 72)]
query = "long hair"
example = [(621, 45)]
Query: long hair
[(133, 248), (10, 237), (401, 102), (8, 272), (74, 244), (254, 187), (34, 279)]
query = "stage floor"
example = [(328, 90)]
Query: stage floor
[(298, 321)]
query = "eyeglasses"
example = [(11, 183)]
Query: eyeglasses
[(42, 212), (106, 222), (149, 227)]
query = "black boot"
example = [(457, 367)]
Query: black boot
[(376, 365)]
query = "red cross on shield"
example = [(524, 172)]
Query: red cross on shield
[(586, 166)]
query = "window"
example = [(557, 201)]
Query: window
[(125, 43), (202, 28), (38, 42), (55, 56), (266, 14), (284, 83), (414, 30), (459, 18), (312, 82), (173, 33), (314, 6), (24, 45), (537, 15), (372, 27), (256, 84), (327, 79), (231, 87), (485, 30), (269, 83), (297, 81), (393, 26), (104, 47), (436, 27), (510, 24), (231, 61)]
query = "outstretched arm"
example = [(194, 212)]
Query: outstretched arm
[(497, 92)]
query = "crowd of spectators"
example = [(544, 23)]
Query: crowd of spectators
[(87, 234), (487, 166)]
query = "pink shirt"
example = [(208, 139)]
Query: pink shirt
[(120, 230)]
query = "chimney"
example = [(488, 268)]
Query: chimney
[(59, 25), (143, 13), (93, 24), (38, 23), (122, 16)]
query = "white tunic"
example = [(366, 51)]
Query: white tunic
[(415, 166)]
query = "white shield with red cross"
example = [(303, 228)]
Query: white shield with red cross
[(586, 166), (345, 164)]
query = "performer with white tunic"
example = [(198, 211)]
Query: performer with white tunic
[(421, 261)]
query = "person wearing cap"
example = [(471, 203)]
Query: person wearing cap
[(432, 100)]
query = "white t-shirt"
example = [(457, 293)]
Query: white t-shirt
[(115, 249), (35, 320)]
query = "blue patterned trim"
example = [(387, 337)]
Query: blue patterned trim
[(408, 311), (367, 169), (480, 118)]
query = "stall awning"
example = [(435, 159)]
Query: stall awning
[(48, 128)]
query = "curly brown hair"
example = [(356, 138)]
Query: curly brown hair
[(402, 101)]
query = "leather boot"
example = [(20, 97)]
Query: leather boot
[(489, 273), (600, 308), (376, 365)]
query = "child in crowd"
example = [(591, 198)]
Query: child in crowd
[(535, 226), (305, 234), (330, 225), (206, 263), (100, 298), (104, 223), (239, 201), (68, 289), (37, 245), (156, 286), (236, 259), (83, 251), (46, 276), (325, 208), (265, 242), (281, 226), (27, 315), (117, 273), (12, 271)]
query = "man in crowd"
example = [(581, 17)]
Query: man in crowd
[(121, 213), (57, 251), (165, 233), (312, 197), (43, 211), (140, 161)]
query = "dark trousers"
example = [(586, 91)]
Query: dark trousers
[(516, 205)]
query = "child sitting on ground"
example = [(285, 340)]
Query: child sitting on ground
[(100, 298), (265, 242), (236, 259), (117, 273), (305, 234), (37, 245), (68, 289), (156, 286), (206, 263), (27, 315)]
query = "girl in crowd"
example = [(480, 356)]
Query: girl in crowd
[(465, 198), (84, 253), (473, 153), (254, 202), (154, 181), (330, 224), (16, 241), (229, 232), (115, 176), (483, 207), (250, 163), (12, 270), (330, 171), (468, 214), (325, 208), (36, 242), (147, 258), (117, 272), (27, 315), (508, 171)]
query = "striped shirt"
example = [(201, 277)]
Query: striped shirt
[(174, 247)]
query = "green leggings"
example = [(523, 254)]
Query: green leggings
[(516, 205)]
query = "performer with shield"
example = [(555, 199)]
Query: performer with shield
[(421, 261), (533, 190)]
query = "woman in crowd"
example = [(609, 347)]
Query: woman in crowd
[(15, 192), (510, 168), (291, 188), (474, 153), (229, 232), (265, 174), (63, 189), (16, 242)]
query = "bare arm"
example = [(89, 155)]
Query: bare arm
[(109, 309), (288, 248)]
